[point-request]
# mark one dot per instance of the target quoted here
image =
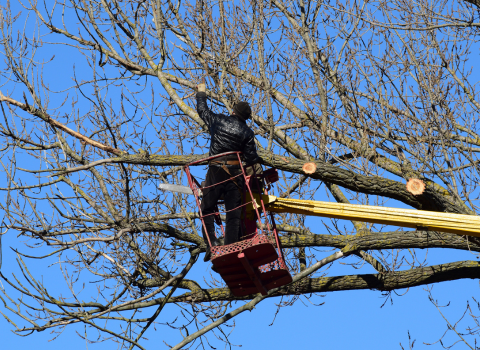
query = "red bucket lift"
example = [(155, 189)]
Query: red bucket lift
[(255, 264)]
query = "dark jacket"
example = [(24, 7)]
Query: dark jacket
[(228, 133)]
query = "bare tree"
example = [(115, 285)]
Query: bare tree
[(374, 93)]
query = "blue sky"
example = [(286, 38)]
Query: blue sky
[(346, 319), (350, 319)]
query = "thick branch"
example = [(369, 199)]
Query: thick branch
[(434, 198), (376, 185), (383, 282), (386, 240)]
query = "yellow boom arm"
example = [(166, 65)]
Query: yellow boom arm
[(421, 219)]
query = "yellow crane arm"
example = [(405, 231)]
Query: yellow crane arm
[(421, 219)]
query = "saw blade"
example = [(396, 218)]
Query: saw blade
[(175, 188)]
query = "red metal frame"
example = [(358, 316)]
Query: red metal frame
[(255, 264)]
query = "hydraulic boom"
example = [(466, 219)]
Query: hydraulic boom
[(420, 219)]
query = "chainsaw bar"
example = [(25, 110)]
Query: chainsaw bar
[(176, 188)]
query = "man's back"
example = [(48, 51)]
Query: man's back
[(228, 133)]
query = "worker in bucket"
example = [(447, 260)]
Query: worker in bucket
[(227, 134)]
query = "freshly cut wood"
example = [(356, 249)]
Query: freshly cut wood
[(309, 168), (415, 186), (420, 219)]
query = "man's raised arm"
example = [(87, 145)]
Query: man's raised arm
[(202, 108)]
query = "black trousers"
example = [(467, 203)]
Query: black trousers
[(232, 195)]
